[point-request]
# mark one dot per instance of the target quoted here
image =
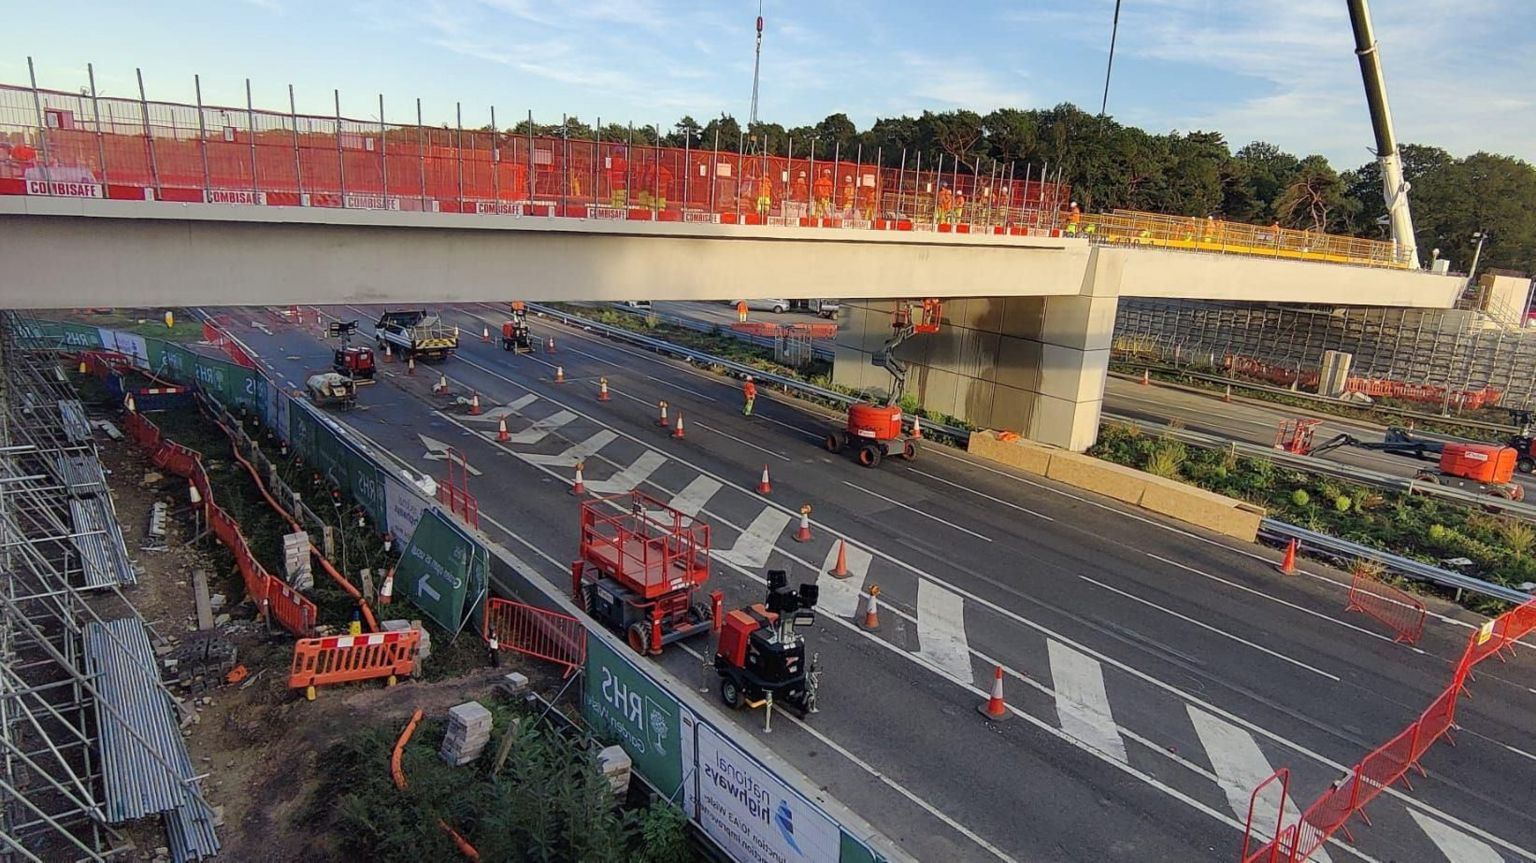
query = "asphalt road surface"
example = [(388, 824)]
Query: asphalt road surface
[(1155, 674)]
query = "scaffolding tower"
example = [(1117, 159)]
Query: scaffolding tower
[(89, 734)]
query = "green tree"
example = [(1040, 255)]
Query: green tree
[(1315, 198)]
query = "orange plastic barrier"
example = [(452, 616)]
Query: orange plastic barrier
[(1386, 604), (349, 658), (536, 632)]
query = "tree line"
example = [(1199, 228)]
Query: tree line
[(1111, 165)]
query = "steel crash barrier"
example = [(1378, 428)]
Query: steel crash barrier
[(350, 658), (1389, 763), (537, 632)]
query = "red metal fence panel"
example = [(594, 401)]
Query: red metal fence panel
[(1388, 605), (550, 635)]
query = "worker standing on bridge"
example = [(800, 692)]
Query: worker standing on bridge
[(846, 199), (741, 311), (945, 202), (867, 202), (618, 177), (958, 213), (801, 191), (823, 194), (764, 195), (749, 396)]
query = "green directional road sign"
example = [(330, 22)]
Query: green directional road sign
[(439, 567), (624, 704)]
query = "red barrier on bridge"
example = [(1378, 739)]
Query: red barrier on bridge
[(1388, 605), (559, 638)]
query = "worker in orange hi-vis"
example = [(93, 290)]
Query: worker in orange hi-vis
[(823, 191), (618, 178), (845, 200), (800, 190), (945, 203), (748, 395), (663, 183), (958, 213), (764, 195), (741, 311), (867, 202)]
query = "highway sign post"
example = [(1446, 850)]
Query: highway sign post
[(439, 568)]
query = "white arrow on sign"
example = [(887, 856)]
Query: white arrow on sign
[(438, 451), (421, 587)]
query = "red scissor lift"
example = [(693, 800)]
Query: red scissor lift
[(641, 564)]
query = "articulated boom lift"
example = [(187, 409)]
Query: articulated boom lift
[(877, 429)]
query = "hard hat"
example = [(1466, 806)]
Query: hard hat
[(802, 173), (749, 378), (1074, 203)]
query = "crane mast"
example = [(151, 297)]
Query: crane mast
[(1394, 187)]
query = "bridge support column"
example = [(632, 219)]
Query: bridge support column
[(1034, 365)]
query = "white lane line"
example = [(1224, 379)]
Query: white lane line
[(541, 428), (756, 543), (1457, 846), (982, 494), (1287, 603), (1240, 766), (705, 396), (1209, 628), (941, 631), (1038, 627), (694, 496), (574, 453), (916, 510), (746, 443), (506, 410), (630, 477), (840, 596), (1082, 705)]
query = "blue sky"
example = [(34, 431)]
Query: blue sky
[(1459, 74)]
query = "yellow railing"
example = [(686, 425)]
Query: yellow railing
[(1128, 227)]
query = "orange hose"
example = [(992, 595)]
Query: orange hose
[(398, 775)]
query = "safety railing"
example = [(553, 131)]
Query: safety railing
[(537, 632), (1397, 609), (84, 145)]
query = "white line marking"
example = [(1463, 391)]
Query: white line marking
[(574, 453), (496, 413), (941, 631), (631, 476), (916, 510), (1241, 766), (840, 596), (541, 428), (756, 543), (1206, 626), (693, 498), (1261, 594), (982, 494), (1457, 846), (723, 433), (705, 396), (1082, 705)]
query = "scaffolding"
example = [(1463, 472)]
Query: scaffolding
[(89, 734), (1457, 349)]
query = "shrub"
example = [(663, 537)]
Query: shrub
[(1517, 537), (1165, 462), (1299, 497), (1342, 503)]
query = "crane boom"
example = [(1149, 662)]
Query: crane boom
[(1394, 188)]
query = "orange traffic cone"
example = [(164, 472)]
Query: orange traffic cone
[(1146, 377), (442, 385), (763, 485), (502, 435), (663, 421), (579, 487), (455, 332), (804, 533), (841, 570), (485, 335), (917, 428), (559, 374), (872, 608), (474, 405), (129, 404), (389, 355), (410, 365), (1227, 396), (1288, 563), (387, 592), (677, 432), (549, 346), (995, 709), (602, 390)]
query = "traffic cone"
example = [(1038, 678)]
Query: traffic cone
[(502, 435), (872, 608), (410, 365), (917, 428), (549, 346), (559, 374), (677, 433), (389, 542), (663, 421), (474, 405), (129, 404), (602, 390), (1227, 396), (83, 367), (841, 569), (995, 709), (579, 487), (1146, 377), (193, 495), (442, 385), (485, 335), (763, 485), (389, 355), (804, 533), (1288, 563), (455, 332), (387, 591)]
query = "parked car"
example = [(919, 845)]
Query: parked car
[(638, 304), (778, 307)]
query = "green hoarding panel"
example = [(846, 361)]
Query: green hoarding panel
[(79, 336), (366, 482), (624, 704), (852, 850), (176, 363), (437, 567)]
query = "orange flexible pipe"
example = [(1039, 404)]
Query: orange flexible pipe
[(398, 775)]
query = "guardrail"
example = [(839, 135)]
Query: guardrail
[(1522, 511), (699, 326), (1345, 550), (786, 383)]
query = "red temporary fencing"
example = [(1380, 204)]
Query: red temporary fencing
[(347, 658), (537, 632), (1388, 605)]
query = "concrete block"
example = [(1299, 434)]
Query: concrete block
[(468, 713), (1085, 472), (615, 764), (1224, 515), (514, 684), (1024, 455)]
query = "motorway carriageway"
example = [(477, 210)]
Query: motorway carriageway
[(1156, 675)]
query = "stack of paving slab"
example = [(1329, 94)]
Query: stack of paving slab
[(469, 729)]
